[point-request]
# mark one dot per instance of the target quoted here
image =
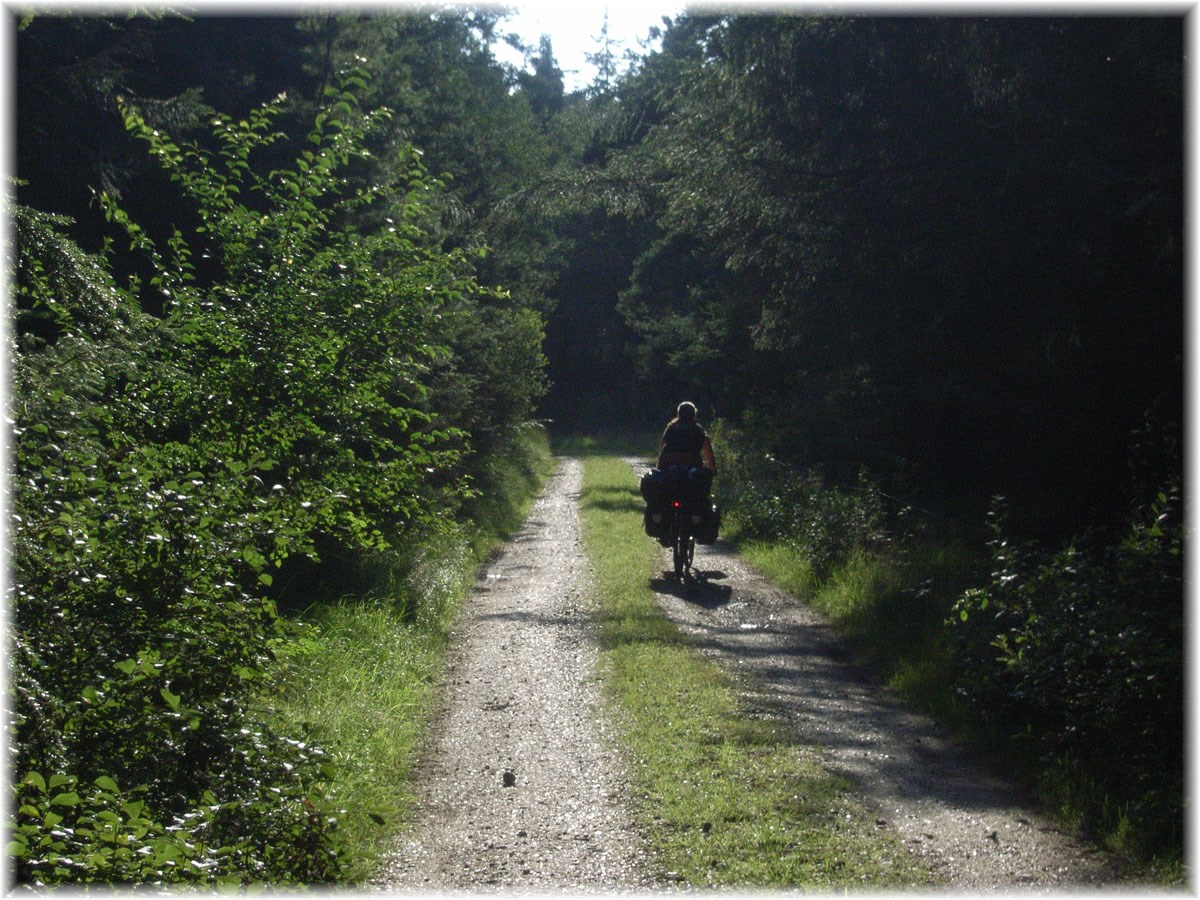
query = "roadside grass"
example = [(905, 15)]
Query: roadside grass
[(630, 444), (890, 609), (361, 688), (515, 478), (727, 799), (361, 683)]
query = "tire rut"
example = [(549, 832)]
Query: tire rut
[(522, 787)]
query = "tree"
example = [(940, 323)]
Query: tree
[(544, 87), (925, 286), (604, 59), (423, 65)]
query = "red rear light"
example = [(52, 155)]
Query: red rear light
[(675, 504)]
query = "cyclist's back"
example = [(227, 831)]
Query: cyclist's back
[(684, 442), (681, 444)]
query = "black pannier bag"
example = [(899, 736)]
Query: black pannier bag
[(654, 488), (699, 484), (692, 486), (655, 522), (654, 492), (710, 525)]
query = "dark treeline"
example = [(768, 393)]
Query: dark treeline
[(947, 250), (289, 291)]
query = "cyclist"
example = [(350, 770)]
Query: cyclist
[(684, 442)]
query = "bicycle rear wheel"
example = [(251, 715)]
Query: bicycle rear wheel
[(683, 546)]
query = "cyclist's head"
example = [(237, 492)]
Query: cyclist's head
[(686, 412)]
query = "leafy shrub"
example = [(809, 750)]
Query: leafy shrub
[(68, 832), (136, 626), (167, 466), (770, 500), (1080, 653)]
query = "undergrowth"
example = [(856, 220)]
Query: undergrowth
[(891, 610), (1065, 666), (361, 687)]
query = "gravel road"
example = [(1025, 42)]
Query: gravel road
[(523, 790)]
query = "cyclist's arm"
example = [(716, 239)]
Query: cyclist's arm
[(709, 459)]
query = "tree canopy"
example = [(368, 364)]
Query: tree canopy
[(943, 248)]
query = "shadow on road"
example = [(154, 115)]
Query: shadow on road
[(611, 499), (697, 589)]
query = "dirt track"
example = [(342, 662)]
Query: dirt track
[(523, 789)]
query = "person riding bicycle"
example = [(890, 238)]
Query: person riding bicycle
[(684, 442), (686, 465)]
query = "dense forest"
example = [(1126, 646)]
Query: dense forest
[(289, 291)]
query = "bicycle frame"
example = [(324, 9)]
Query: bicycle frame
[(683, 542)]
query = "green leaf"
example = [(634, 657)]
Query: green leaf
[(134, 809), (173, 700), (251, 555)]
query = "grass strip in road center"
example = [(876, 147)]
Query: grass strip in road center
[(727, 799)]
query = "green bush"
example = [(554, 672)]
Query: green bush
[(167, 468), (1079, 653), (770, 500)]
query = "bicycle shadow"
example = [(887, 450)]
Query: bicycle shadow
[(697, 588)]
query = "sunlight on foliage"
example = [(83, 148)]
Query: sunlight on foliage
[(171, 467)]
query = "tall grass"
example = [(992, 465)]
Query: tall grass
[(891, 609), (727, 799), (361, 688)]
